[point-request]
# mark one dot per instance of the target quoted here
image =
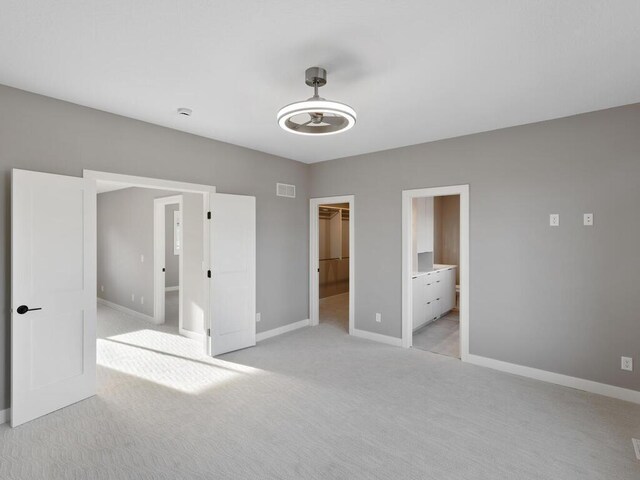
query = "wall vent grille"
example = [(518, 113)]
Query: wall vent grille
[(284, 190)]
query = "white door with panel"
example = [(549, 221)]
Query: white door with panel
[(233, 273), (53, 293)]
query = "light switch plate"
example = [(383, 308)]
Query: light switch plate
[(626, 363), (258, 317), (378, 317), (588, 219), (554, 219)]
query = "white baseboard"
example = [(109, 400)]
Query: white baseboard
[(190, 334), (5, 415), (126, 310), (557, 378), (280, 330), (172, 289), (376, 337)]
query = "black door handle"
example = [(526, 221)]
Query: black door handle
[(22, 309), (163, 269)]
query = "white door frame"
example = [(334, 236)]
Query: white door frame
[(159, 260), (407, 260), (314, 260), (182, 187)]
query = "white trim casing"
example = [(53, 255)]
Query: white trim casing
[(128, 311), (147, 182), (557, 378), (407, 306), (377, 337), (314, 261), (280, 330), (5, 415)]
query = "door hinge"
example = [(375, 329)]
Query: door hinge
[(208, 332), (208, 273), (208, 215)]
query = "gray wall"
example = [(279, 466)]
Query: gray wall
[(171, 260), (40, 133), (125, 232), (560, 299)]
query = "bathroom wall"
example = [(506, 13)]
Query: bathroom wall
[(446, 231)]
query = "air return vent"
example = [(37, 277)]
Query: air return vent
[(284, 190)]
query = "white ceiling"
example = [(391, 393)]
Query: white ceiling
[(414, 70)]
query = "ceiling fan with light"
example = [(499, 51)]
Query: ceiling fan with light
[(316, 116)]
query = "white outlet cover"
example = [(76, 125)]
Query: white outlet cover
[(258, 317), (626, 363), (554, 219), (378, 317), (636, 447), (102, 288), (588, 219)]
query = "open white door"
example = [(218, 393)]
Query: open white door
[(233, 273), (53, 278)]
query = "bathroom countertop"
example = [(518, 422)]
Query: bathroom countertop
[(435, 269)]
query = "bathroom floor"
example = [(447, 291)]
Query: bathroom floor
[(441, 336)]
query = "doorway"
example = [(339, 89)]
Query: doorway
[(54, 222), (169, 255), (332, 260), (435, 269)]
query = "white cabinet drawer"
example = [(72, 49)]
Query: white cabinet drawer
[(431, 286)]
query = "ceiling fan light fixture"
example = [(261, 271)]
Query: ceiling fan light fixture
[(316, 116)]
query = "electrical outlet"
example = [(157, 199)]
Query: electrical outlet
[(588, 219), (554, 219), (626, 363), (378, 317), (258, 317), (133, 297), (636, 447), (141, 300), (102, 288)]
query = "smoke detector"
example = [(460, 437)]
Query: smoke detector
[(316, 116)]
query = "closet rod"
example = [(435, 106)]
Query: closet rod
[(334, 208)]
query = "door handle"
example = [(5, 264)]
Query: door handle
[(163, 269), (22, 309)]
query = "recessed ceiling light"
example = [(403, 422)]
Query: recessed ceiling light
[(184, 111), (316, 116)]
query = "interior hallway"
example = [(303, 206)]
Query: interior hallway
[(315, 404)]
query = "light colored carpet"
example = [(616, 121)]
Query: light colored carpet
[(335, 310), (441, 336), (315, 404)]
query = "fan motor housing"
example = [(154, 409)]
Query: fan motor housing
[(315, 76)]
